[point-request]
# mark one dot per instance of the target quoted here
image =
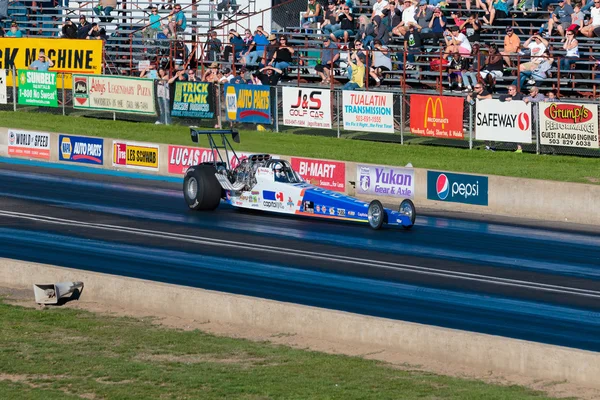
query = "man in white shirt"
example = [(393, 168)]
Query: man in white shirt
[(594, 23), (408, 18), (537, 45), (378, 8)]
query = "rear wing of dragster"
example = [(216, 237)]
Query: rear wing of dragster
[(214, 146)]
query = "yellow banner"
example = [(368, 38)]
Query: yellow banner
[(133, 155), (69, 56)]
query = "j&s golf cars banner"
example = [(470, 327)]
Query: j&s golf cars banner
[(368, 111), (114, 93), (307, 107), (194, 99), (37, 88), (568, 124), (385, 181), (436, 116), (248, 103)]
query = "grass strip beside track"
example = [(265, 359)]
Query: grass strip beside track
[(557, 168), (62, 353)]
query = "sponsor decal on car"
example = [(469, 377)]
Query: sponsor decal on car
[(81, 149), (273, 204), (308, 207), (341, 212), (457, 188), (269, 195)]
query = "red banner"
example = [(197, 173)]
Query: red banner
[(182, 157), (437, 116), (326, 174)]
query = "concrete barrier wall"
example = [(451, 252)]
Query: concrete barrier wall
[(444, 345)]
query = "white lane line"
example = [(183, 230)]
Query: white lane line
[(311, 255)]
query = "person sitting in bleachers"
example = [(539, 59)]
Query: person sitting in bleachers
[(457, 42), (225, 5), (153, 27), (471, 27), (330, 24), (470, 68), (413, 46), (378, 7), (330, 56), (498, 10), (358, 72), (381, 62), (346, 21), (84, 27), (269, 75), (392, 15), (177, 21), (381, 31), (366, 30), (560, 19), (69, 30), (233, 51), (408, 18), (594, 22), (534, 96), (493, 67), (256, 49), (537, 46), (577, 19), (14, 31), (512, 45), (313, 14), (571, 46), (541, 71), (213, 47), (283, 55), (248, 39), (106, 7), (423, 15), (96, 32)]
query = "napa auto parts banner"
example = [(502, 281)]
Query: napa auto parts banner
[(307, 107), (568, 124), (81, 149), (183, 157), (326, 174), (248, 103), (135, 155), (436, 116), (368, 111), (114, 93), (385, 181), (69, 56), (29, 144), (508, 121)]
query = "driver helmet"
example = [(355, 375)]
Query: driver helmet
[(278, 169)]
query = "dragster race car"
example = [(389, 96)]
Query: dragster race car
[(261, 182)]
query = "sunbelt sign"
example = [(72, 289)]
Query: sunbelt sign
[(457, 188)]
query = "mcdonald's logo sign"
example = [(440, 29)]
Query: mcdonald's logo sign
[(437, 116)]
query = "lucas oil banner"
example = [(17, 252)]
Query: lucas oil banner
[(307, 107), (385, 181), (368, 111), (436, 116), (248, 103), (194, 99), (69, 56), (567, 124)]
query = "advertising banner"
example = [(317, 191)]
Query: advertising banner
[(457, 188), (568, 124), (194, 99), (385, 181), (437, 116), (508, 121), (114, 93), (80, 149), (135, 155), (29, 144), (183, 157), (368, 111), (69, 56), (326, 174), (3, 98), (248, 103), (304, 107), (37, 88)]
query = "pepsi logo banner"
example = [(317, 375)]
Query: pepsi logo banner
[(457, 188), (385, 181), (568, 124), (307, 107), (326, 174), (508, 121), (80, 149)]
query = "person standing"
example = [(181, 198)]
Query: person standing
[(42, 63)]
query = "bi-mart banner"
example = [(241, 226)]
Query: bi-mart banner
[(114, 93), (436, 116), (194, 99), (37, 88), (248, 103), (569, 124), (307, 107), (69, 56), (368, 111), (503, 121)]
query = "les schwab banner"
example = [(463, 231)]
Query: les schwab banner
[(69, 56), (307, 107), (568, 124), (135, 155), (114, 93), (503, 121), (436, 116)]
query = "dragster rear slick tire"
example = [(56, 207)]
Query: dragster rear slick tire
[(201, 189)]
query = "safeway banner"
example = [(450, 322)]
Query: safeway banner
[(114, 93), (385, 181), (436, 116), (569, 124), (135, 155), (183, 157), (368, 111), (508, 121), (29, 144), (248, 103), (326, 174), (3, 98), (307, 107)]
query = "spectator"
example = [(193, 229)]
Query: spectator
[(269, 75), (358, 72), (213, 47), (392, 15), (594, 22), (269, 53), (457, 42), (381, 62), (571, 46), (534, 96), (163, 95), (177, 21), (577, 19), (69, 30), (561, 18), (283, 55), (408, 18), (14, 31), (153, 27), (378, 8), (366, 30), (537, 46), (239, 79), (149, 72), (381, 31), (84, 27), (479, 4), (413, 46), (470, 69), (512, 94), (224, 7), (512, 44), (479, 93), (437, 25), (330, 24), (248, 39), (423, 15), (498, 9), (471, 27), (551, 96), (227, 76), (96, 33), (313, 14), (531, 76), (493, 67), (42, 63), (329, 60), (105, 6), (212, 73), (257, 47), (346, 21), (236, 45)]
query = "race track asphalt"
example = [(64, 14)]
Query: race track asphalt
[(502, 278)]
